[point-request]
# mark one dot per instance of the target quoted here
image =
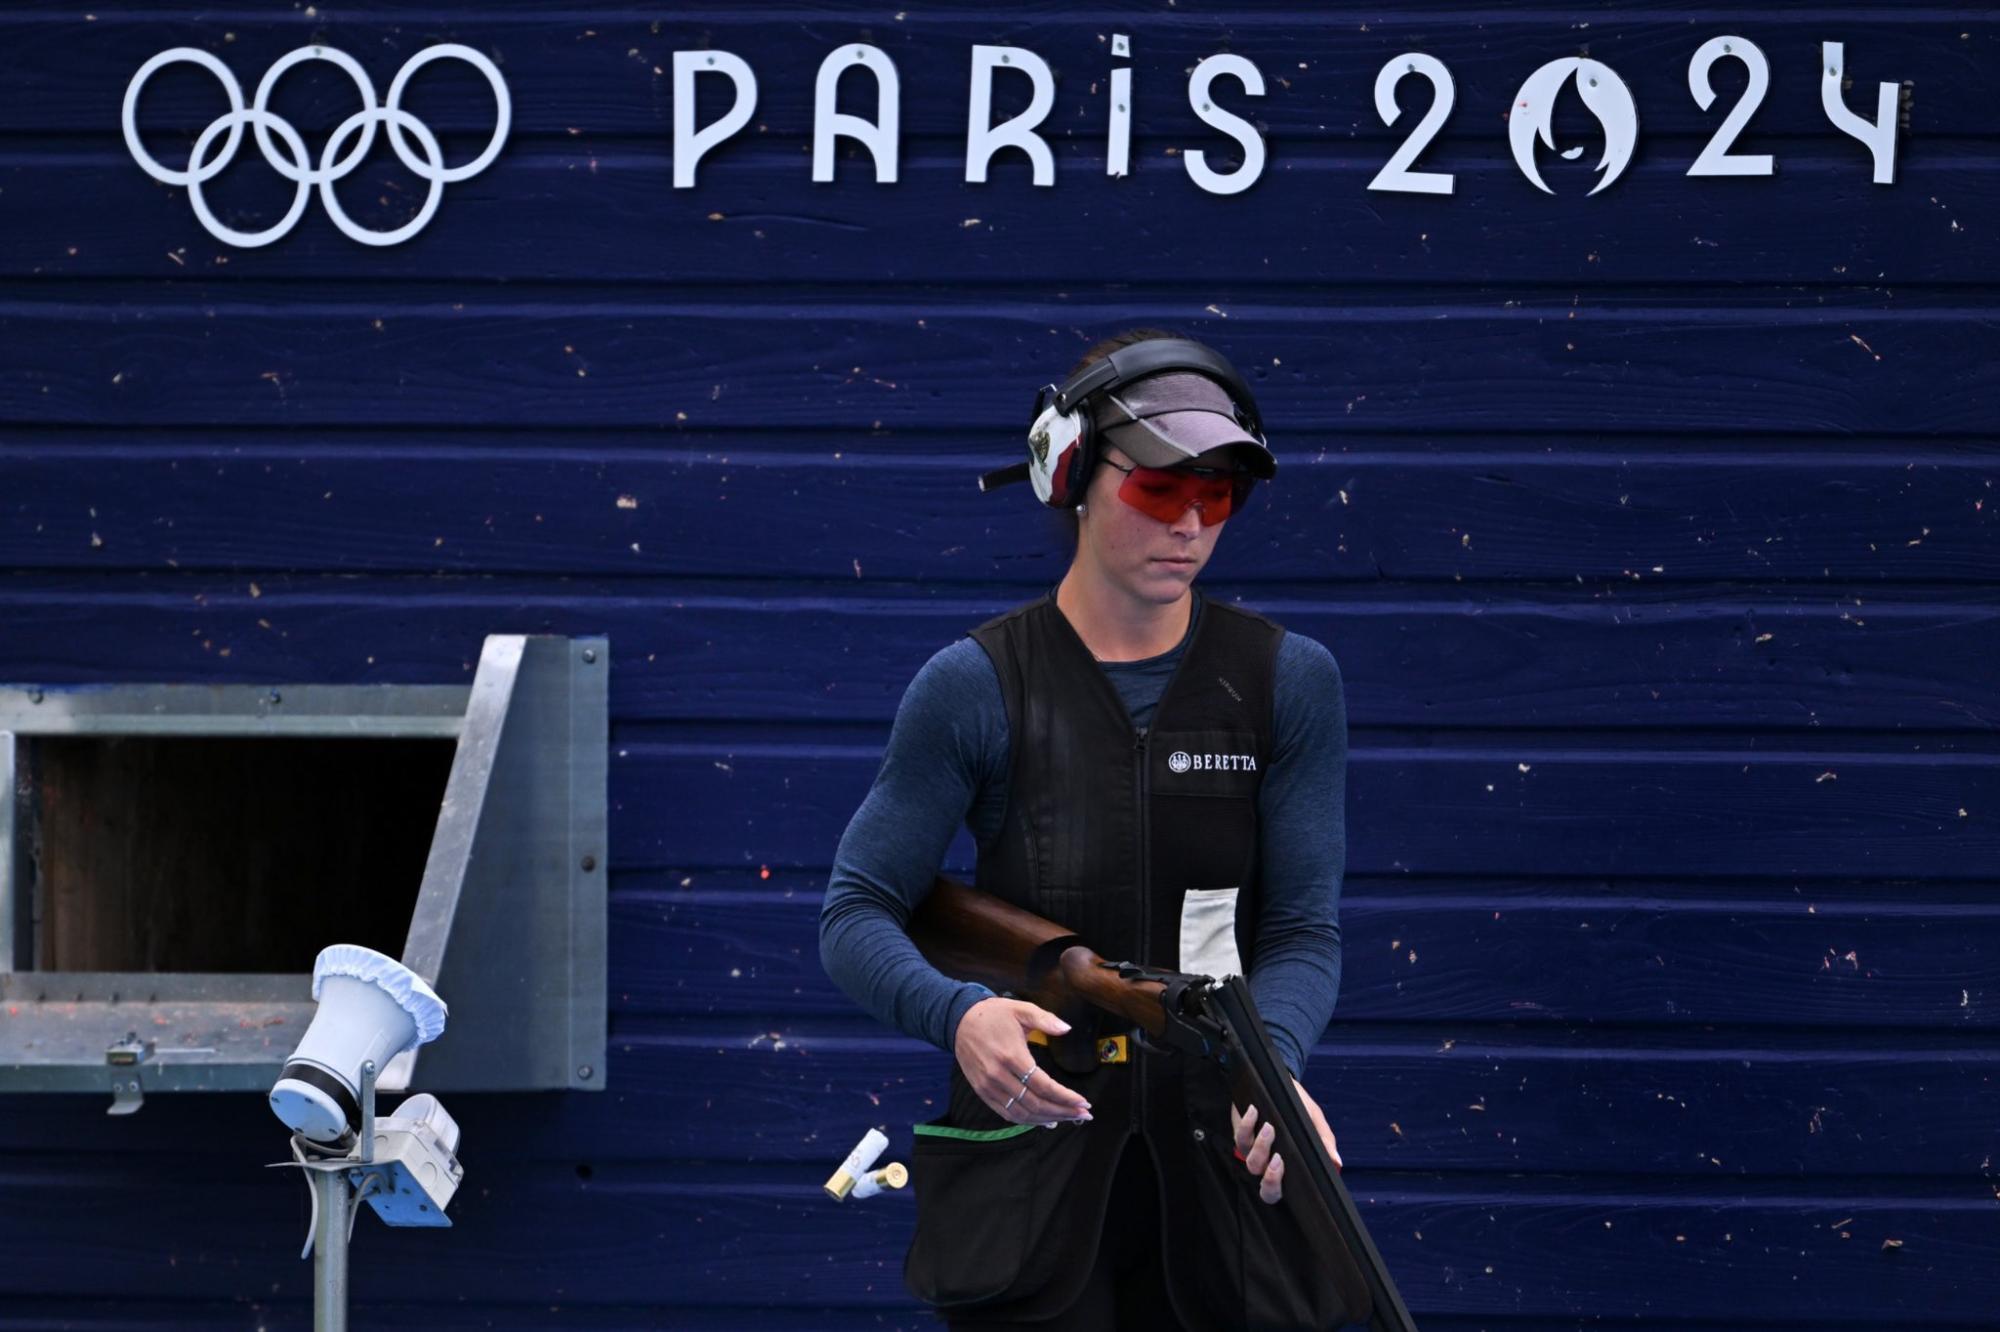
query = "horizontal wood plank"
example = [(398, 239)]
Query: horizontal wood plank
[(472, 1314), (1523, 809), (843, 367), (75, 1315), (282, 1315), (1779, 658), (1730, 1108), (853, 511), (586, 214), (1824, 955), (1559, 1247), (609, 71)]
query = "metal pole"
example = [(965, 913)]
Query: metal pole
[(336, 1201)]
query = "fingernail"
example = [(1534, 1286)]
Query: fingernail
[(1065, 1029)]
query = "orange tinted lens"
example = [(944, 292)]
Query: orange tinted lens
[(1167, 493)]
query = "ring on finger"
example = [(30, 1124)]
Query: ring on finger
[(1010, 1104), (1025, 1076)]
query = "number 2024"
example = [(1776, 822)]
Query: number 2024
[(1606, 95)]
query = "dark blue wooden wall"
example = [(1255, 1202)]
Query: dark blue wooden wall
[(1656, 535)]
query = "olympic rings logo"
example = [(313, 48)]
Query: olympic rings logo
[(295, 162)]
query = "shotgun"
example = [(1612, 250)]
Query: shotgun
[(976, 936)]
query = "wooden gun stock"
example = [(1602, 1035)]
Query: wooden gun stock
[(976, 936)]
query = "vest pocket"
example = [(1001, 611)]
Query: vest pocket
[(1208, 932), (974, 1190)]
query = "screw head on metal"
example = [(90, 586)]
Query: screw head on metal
[(274, 697), (590, 655), (1200, 1136), (584, 1071), (34, 695), (589, 864)]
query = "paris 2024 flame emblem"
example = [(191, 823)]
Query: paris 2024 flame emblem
[(1602, 91)]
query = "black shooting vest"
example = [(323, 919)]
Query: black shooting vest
[(1139, 842)]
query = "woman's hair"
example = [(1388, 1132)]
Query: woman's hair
[(1096, 352)]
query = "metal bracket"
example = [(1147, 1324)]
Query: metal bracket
[(126, 1096), (365, 1149)]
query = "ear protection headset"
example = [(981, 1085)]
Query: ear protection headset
[(1063, 442)]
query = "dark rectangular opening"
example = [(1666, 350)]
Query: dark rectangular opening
[(218, 854)]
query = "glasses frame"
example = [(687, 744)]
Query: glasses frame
[(1241, 482)]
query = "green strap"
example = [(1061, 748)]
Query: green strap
[(970, 1135)]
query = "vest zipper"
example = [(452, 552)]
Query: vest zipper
[(1141, 746), (1143, 953)]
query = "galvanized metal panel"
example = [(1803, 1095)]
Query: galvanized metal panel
[(526, 784)]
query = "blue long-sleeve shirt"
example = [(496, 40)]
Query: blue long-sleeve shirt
[(948, 763)]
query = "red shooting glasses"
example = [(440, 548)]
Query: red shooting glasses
[(1166, 493)]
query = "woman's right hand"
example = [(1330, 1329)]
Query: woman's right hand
[(992, 1050)]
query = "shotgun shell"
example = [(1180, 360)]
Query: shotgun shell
[(892, 1176), (865, 1154)]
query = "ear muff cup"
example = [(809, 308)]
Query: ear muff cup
[(1062, 451)]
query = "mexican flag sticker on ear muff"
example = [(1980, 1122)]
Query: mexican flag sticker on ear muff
[(1051, 443)]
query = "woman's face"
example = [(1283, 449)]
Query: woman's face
[(1147, 559)]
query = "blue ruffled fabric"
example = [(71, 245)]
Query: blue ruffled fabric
[(406, 987)]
